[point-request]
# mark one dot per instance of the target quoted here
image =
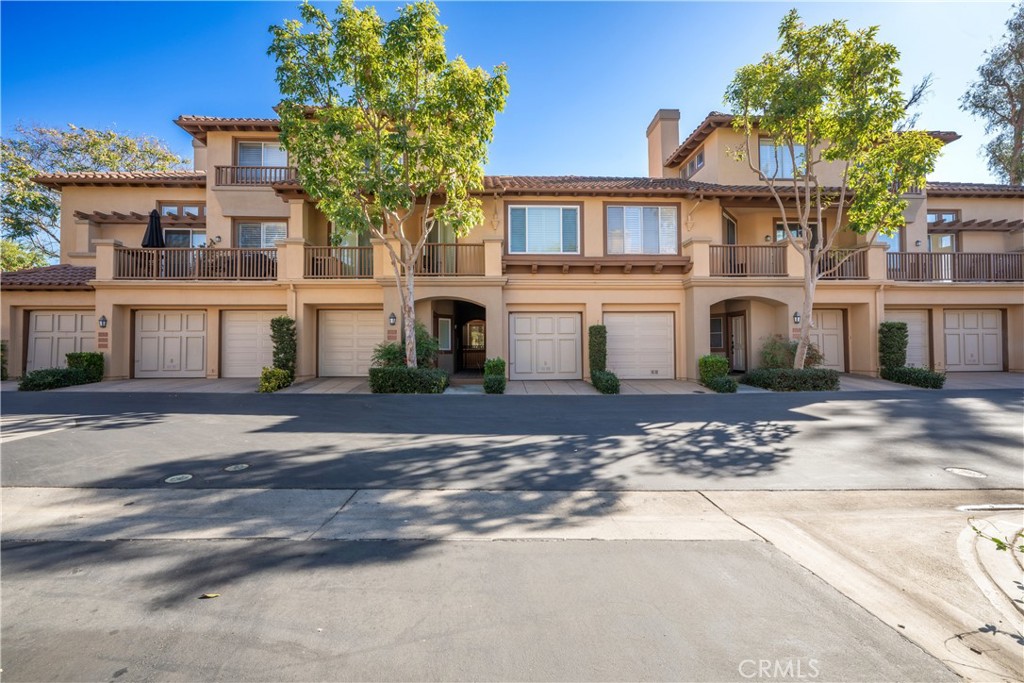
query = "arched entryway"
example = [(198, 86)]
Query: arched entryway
[(461, 330), (739, 327)]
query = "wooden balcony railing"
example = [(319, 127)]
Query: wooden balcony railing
[(339, 262), (963, 267), (254, 175), (195, 264), (740, 260), (451, 260), (853, 268)]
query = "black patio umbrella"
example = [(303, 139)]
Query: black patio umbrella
[(154, 238)]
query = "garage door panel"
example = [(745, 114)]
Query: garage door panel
[(918, 335), (641, 345), (974, 340), (545, 346), (523, 353), (54, 334), (165, 348), (246, 343), (347, 340)]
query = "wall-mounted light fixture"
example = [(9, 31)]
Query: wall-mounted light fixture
[(796, 318), (392, 319), (102, 322), (767, 238), (917, 243), (216, 240)]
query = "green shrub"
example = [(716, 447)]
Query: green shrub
[(404, 380), (604, 381), (274, 379), (915, 377), (282, 332), (892, 345), (722, 385), (53, 378), (494, 366), (789, 379), (392, 354), (494, 384), (598, 349), (3, 360), (779, 353), (712, 367), (91, 362)]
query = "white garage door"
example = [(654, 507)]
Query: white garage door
[(918, 355), (827, 335), (170, 344), (974, 340), (245, 344), (54, 334), (347, 340), (545, 346), (641, 345)]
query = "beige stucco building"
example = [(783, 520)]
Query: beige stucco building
[(684, 262)]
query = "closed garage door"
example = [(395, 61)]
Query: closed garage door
[(170, 344), (974, 340), (245, 344), (641, 345), (347, 340), (918, 355), (827, 334), (53, 334), (545, 346)]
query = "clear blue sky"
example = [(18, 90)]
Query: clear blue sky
[(585, 78)]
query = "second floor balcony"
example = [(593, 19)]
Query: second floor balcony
[(250, 176)]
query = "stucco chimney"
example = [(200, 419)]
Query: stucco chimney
[(662, 140), (198, 156)]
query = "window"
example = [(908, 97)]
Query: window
[(643, 230), (717, 334), (261, 154), (942, 243), (256, 235), (544, 230), (780, 232), (444, 334), (894, 242), (695, 164), (475, 335), (776, 160), (182, 209), (183, 238), (943, 216)]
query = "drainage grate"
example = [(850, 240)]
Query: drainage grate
[(964, 472), (177, 478), (236, 468)]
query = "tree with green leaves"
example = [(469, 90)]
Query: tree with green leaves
[(997, 97), (388, 135), (31, 212), (831, 96), (14, 256)]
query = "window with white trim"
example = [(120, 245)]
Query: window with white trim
[(695, 164), (776, 161), (643, 229), (444, 334), (261, 154), (261, 235), (544, 230)]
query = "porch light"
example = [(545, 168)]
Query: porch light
[(917, 243), (796, 318), (102, 322), (392, 320), (767, 238)]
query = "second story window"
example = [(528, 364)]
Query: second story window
[(943, 216), (776, 160), (185, 210), (643, 229), (261, 234), (261, 154), (543, 230), (695, 164)]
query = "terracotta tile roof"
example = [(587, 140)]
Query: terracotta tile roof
[(63, 276), (944, 189), (610, 185), (125, 178), (199, 126)]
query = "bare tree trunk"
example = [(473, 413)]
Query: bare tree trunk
[(409, 308), (810, 282)]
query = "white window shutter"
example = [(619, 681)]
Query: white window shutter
[(668, 230)]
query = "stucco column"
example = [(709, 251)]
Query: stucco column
[(297, 215), (291, 258), (105, 258), (492, 256), (306, 332), (1015, 330), (877, 262), (697, 311), (698, 248), (794, 262)]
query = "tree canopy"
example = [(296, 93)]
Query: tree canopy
[(31, 212), (830, 97), (997, 97), (388, 135), (14, 256)]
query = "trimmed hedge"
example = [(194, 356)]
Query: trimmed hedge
[(3, 359), (282, 332), (53, 378), (892, 345), (90, 362), (722, 385), (598, 349), (494, 376), (915, 377), (712, 367), (604, 381), (274, 379), (779, 379), (405, 380), (777, 352)]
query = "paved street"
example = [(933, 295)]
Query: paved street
[(514, 538)]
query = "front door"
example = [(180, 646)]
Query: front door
[(738, 343)]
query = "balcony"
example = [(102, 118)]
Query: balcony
[(194, 264), (326, 263), (854, 267), (741, 260), (451, 260), (949, 267), (253, 176)]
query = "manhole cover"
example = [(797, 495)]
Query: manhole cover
[(964, 472), (177, 478), (236, 468)]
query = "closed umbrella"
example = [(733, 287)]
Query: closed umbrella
[(154, 238)]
